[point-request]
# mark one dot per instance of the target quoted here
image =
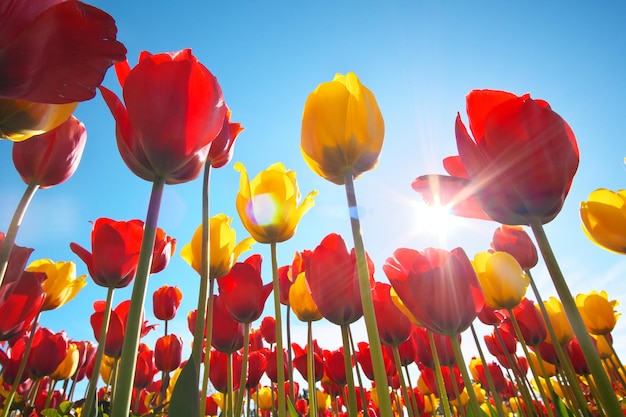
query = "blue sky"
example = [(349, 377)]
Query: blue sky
[(419, 58)]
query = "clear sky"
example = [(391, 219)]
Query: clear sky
[(419, 58)]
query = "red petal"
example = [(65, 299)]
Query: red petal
[(61, 56), (479, 104)]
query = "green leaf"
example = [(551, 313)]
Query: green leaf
[(65, 407), (50, 412), (185, 400), (291, 408), (560, 408)]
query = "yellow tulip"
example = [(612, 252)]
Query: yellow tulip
[(268, 205), (604, 219), (106, 368), (67, 368), (535, 363), (431, 403), (559, 320), (264, 398), (323, 400), (20, 120), (342, 129), (598, 313), (61, 283), (301, 301), (502, 279), (605, 350), (223, 251)]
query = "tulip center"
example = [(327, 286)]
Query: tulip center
[(265, 209)]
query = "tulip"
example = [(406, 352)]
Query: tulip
[(597, 311), (451, 377), (364, 358), (115, 252), (55, 51), (300, 360), (16, 261), (165, 302), (117, 327), (334, 367), (272, 365), (174, 110), (221, 151), (164, 248), (51, 158), (21, 120), (530, 322), (438, 287), (269, 206), (22, 305), (559, 320), (604, 219), (47, 352), (538, 364), (145, 369), (257, 363), (424, 353), (264, 399), (331, 273), (572, 348), (515, 241), (268, 329), (68, 367), (242, 290), (301, 301), (501, 344), (479, 373), (11, 360), (227, 333), (224, 251), (61, 283), (168, 352), (87, 352), (519, 165), (342, 129), (393, 326), (286, 278), (502, 279)]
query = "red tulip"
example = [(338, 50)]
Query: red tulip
[(438, 287), (547, 352), (393, 325), (115, 246), (516, 242), (497, 376), (284, 283), (11, 360), (268, 329), (334, 367), (300, 360), (221, 151), (47, 352), (18, 258), (22, 305), (443, 344), (116, 329), (257, 363), (145, 369), (530, 321), (164, 247), (256, 339), (53, 157), (519, 164), (500, 342), (272, 365), (168, 352), (227, 333), (451, 377), (406, 350), (55, 51), (218, 370), (576, 356), (332, 277), (86, 355), (242, 290), (165, 302), (489, 316), (364, 358), (174, 110)]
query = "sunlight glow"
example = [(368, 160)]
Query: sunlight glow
[(437, 220)]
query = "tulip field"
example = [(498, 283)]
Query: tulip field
[(119, 329)]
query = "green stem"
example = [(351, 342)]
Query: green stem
[(358, 373), (124, 385), (228, 400), (535, 372), (89, 408), (203, 294), (16, 221), (280, 360), (290, 358), (473, 400), (607, 395), (492, 385), (207, 348), (441, 386), (405, 393), (564, 360), (347, 362), (20, 371), (380, 375), (310, 368), (244, 370), (411, 392)]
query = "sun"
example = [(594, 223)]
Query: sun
[(435, 220)]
